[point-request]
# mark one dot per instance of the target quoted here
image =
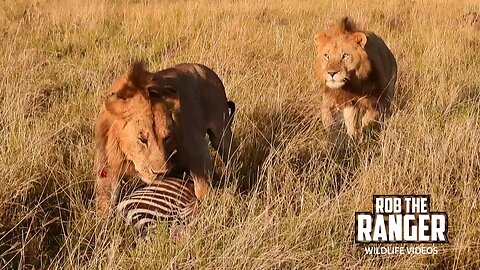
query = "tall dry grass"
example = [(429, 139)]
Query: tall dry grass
[(284, 202)]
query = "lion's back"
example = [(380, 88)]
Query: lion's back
[(383, 62)]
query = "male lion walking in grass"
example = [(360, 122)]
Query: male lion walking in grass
[(359, 73)]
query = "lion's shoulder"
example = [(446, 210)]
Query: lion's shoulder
[(381, 58)]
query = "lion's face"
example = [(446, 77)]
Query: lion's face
[(340, 57), (147, 138), (146, 128)]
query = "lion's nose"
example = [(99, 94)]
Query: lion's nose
[(332, 73)]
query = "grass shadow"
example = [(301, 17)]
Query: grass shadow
[(291, 139)]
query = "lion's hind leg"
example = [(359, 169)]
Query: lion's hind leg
[(222, 142), (199, 163), (220, 135), (371, 116)]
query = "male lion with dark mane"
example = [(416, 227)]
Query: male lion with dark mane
[(359, 72), (155, 124)]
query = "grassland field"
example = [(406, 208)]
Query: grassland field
[(284, 202)]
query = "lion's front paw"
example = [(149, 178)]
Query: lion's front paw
[(201, 188), (102, 208)]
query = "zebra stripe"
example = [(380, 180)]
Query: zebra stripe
[(169, 199)]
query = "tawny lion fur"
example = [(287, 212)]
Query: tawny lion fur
[(358, 72), (154, 124)]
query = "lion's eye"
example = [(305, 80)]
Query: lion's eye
[(143, 141), (326, 56), (345, 56), (153, 90)]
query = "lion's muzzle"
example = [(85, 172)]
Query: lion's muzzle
[(335, 78)]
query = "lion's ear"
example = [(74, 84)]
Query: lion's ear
[(115, 104), (321, 39), (360, 38), (134, 81), (137, 75)]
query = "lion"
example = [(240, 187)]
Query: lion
[(154, 124), (358, 71)]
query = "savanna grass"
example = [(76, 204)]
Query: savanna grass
[(284, 202)]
